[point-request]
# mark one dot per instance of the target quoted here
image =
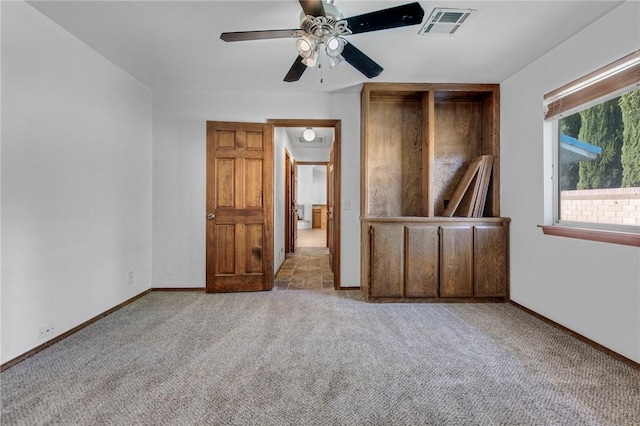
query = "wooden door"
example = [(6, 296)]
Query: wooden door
[(239, 207), (294, 207), (290, 209), (330, 207)]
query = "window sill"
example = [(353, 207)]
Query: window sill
[(624, 238)]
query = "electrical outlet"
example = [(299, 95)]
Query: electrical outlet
[(47, 331), (130, 278)]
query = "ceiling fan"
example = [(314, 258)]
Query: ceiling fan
[(322, 31)]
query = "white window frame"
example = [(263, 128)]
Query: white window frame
[(612, 233)]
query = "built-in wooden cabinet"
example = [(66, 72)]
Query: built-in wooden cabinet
[(417, 141)]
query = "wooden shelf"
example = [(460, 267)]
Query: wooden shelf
[(417, 141)]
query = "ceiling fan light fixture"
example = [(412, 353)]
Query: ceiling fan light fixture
[(334, 60), (309, 134), (334, 45), (305, 46), (311, 59)]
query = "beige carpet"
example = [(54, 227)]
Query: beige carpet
[(318, 357)]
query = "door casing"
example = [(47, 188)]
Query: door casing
[(336, 125)]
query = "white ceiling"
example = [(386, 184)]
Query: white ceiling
[(175, 45)]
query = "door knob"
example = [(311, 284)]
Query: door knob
[(211, 216)]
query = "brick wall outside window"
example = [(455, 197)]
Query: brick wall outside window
[(614, 205)]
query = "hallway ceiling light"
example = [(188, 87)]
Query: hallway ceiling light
[(309, 134)]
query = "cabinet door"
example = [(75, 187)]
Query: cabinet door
[(456, 257), (490, 261), (421, 261), (387, 272)]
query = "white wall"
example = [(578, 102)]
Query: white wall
[(304, 190), (319, 185), (310, 154), (346, 106), (312, 188), (280, 142), (590, 287), (76, 181), (179, 171)]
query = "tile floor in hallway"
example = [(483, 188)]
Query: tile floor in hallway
[(307, 268)]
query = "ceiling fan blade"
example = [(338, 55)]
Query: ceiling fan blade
[(360, 61), (296, 70), (400, 16), (312, 7), (258, 35)]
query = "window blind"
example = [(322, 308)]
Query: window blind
[(611, 78)]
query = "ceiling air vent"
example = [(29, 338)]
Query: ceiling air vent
[(316, 141), (445, 21)]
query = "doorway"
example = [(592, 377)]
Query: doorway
[(312, 211), (332, 231)]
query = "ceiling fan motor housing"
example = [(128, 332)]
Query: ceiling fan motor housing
[(331, 24)]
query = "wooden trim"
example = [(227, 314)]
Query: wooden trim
[(446, 299), (598, 346), (312, 163), (613, 237), (174, 289), (428, 152), (287, 203), (337, 202), (66, 334), (295, 122)]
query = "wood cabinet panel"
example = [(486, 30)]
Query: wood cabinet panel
[(387, 269), (394, 159), (316, 217), (422, 261), (490, 261), (417, 140), (456, 254), (436, 259), (458, 138)]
